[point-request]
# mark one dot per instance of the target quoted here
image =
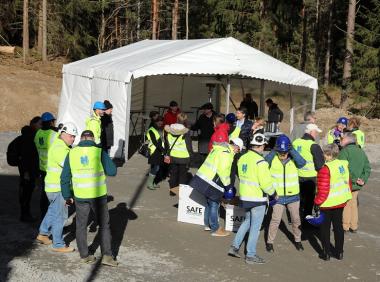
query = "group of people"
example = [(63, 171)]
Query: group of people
[(68, 174), (297, 175)]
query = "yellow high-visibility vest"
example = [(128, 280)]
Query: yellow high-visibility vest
[(285, 177), (303, 147), (43, 141)]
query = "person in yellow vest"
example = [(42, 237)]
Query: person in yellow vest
[(353, 126), (43, 140), (333, 192), (179, 150), (83, 179), (334, 135), (94, 123), (255, 184), (212, 178), (156, 150), (284, 162), (313, 155), (57, 213)]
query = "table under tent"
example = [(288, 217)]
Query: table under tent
[(147, 75)]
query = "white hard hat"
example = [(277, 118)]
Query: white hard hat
[(238, 142), (259, 139), (69, 128)]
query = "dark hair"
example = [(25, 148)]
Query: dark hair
[(269, 100), (207, 106), (243, 110), (108, 104), (152, 114), (35, 120), (219, 118), (159, 118), (173, 104), (87, 133)]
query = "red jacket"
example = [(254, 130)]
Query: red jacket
[(323, 188), (220, 135), (170, 117)]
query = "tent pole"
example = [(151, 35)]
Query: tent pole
[(228, 95), (262, 98), (314, 100), (291, 109), (182, 86), (144, 94)]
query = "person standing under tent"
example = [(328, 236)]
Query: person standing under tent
[(57, 213), (275, 115), (255, 183), (251, 106), (43, 140), (94, 123), (171, 114), (221, 129), (313, 155), (83, 181), (283, 163)]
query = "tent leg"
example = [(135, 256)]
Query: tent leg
[(291, 109), (262, 98), (314, 100), (127, 120), (228, 93)]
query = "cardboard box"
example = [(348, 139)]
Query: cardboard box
[(234, 217), (191, 205)]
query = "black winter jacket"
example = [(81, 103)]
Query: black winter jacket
[(106, 135)]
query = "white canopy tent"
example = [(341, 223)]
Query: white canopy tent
[(111, 75)]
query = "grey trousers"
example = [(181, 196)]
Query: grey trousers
[(278, 210), (100, 209)]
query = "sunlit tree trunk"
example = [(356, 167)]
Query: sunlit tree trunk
[(25, 31)]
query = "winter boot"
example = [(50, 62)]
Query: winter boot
[(150, 181)]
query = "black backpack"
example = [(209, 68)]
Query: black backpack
[(13, 154)]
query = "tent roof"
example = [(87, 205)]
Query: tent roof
[(224, 56)]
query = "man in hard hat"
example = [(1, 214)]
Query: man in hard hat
[(84, 179), (43, 140), (212, 178), (255, 184), (313, 155), (94, 122), (283, 163), (57, 213)]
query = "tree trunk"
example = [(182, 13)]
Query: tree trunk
[(101, 40), (44, 30), (317, 36), (138, 20), (304, 38), (25, 31), (39, 36), (154, 19), (326, 76), (187, 19), (175, 16), (346, 84)]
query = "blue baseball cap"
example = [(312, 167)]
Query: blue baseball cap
[(99, 106), (343, 120), (47, 117)]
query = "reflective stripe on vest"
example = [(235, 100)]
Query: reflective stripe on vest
[(151, 146), (285, 177), (56, 158), (209, 169), (44, 140), (211, 183), (250, 165), (94, 124), (179, 149), (88, 178), (339, 184), (303, 147), (235, 133), (360, 137)]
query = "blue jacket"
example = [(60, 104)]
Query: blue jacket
[(299, 161), (108, 166)]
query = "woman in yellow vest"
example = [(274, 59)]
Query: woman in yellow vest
[(333, 191), (156, 150), (212, 178), (284, 162), (178, 152), (353, 126), (334, 135), (255, 184)]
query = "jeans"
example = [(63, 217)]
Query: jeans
[(100, 209), (55, 218), (211, 218), (154, 169), (253, 219)]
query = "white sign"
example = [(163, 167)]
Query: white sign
[(191, 205), (234, 217)]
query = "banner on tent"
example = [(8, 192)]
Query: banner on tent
[(191, 205)]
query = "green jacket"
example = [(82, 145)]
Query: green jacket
[(358, 164)]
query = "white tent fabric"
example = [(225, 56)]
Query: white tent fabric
[(110, 75)]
